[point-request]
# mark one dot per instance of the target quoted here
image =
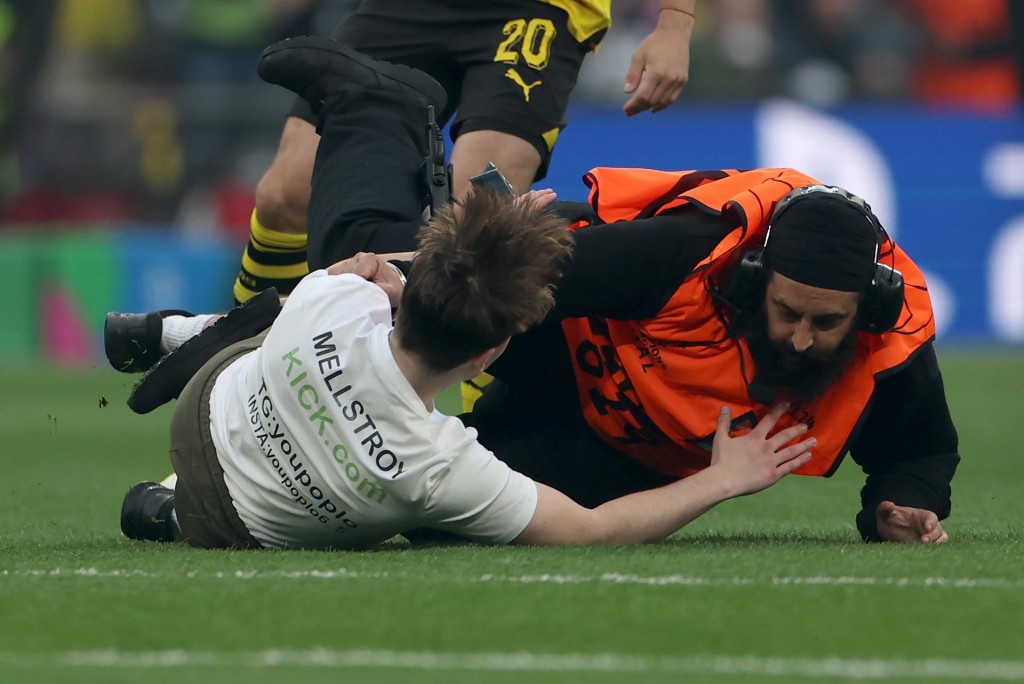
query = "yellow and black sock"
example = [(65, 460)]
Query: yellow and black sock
[(271, 259)]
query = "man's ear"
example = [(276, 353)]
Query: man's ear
[(489, 356), (473, 367), (482, 361)]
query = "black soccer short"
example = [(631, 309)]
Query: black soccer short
[(508, 65)]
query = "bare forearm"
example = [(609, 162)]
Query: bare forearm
[(654, 514), (638, 518)]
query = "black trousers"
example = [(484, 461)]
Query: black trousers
[(367, 194)]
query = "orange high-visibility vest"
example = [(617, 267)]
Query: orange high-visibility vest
[(654, 388)]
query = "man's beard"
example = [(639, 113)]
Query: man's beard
[(802, 377)]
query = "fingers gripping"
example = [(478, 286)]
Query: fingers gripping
[(786, 458)]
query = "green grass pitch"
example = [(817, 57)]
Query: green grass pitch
[(772, 587)]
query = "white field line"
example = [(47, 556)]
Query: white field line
[(607, 578), (844, 668)]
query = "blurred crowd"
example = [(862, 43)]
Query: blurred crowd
[(150, 112)]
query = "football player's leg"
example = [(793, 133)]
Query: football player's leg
[(512, 107), (276, 253)]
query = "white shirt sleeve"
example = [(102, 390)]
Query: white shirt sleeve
[(479, 497)]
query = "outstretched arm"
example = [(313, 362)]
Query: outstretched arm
[(661, 63), (739, 465)]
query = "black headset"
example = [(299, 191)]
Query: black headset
[(882, 301)]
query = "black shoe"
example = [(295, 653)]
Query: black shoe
[(147, 513), (314, 68), (132, 340), (168, 377)]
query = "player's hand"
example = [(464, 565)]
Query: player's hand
[(361, 264), (661, 65), (541, 198), (755, 460), (908, 525), (374, 268)]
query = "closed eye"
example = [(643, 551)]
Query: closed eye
[(822, 322), (787, 314), (828, 322)]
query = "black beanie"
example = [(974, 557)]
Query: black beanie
[(823, 240)]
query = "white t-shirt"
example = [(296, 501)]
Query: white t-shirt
[(324, 443)]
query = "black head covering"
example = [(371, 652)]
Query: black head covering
[(823, 240)]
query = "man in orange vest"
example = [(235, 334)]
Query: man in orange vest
[(693, 290)]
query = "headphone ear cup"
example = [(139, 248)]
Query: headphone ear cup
[(744, 286), (882, 304)]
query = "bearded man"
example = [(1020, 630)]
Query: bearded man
[(691, 290)]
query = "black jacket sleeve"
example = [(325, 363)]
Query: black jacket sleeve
[(907, 444), (628, 270)]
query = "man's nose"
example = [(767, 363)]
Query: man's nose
[(802, 339)]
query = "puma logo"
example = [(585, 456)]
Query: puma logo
[(514, 76)]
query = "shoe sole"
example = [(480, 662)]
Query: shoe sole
[(168, 378), (381, 72)]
